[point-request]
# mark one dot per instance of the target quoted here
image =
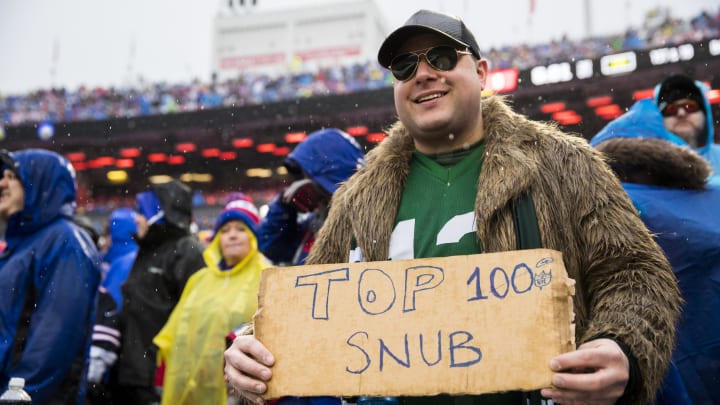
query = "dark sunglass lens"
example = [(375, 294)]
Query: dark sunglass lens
[(689, 106), (669, 111), (692, 106), (403, 66), (442, 57)]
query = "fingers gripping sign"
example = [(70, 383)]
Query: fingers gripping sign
[(596, 373), (247, 368)]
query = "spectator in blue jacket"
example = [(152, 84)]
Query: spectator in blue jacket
[(686, 113), (319, 164), (106, 337), (121, 252), (668, 183), (49, 276)]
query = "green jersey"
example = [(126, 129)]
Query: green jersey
[(436, 218)]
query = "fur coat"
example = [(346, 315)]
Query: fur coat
[(625, 288)]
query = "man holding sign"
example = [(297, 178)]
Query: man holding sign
[(460, 174)]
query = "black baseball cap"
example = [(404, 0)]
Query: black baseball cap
[(428, 21), (677, 87)]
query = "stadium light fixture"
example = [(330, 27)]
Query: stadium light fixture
[(117, 176), (124, 163), (157, 157), (176, 160), (130, 152), (75, 156), (242, 143), (565, 115), (196, 177), (210, 153), (266, 147), (104, 161), (609, 112), (713, 96), (549, 108), (228, 155), (160, 179), (571, 120), (281, 151), (503, 80), (375, 137), (94, 164), (185, 147), (295, 137), (643, 94), (358, 130), (594, 102), (258, 172)]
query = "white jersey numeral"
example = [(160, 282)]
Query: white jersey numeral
[(403, 236)]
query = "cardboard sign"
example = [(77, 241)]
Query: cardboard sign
[(459, 325)]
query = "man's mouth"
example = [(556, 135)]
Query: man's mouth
[(429, 97)]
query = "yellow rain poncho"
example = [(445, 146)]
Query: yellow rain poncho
[(192, 342)]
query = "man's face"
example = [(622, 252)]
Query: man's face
[(441, 109), (689, 126), (142, 225), (12, 195)]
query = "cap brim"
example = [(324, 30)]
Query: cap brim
[(388, 49)]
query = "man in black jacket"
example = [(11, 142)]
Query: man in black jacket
[(168, 256)]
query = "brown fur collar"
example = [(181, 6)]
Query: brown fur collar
[(656, 162), (510, 167)]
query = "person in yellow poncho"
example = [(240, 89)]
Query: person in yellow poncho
[(216, 299)]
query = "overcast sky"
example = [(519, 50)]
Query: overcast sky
[(69, 43)]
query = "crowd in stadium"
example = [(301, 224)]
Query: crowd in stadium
[(156, 296), (660, 28)]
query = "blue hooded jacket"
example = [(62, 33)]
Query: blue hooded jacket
[(681, 210), (49, 276), (328, 157), (710, 151), (121, 227), (121, 253)]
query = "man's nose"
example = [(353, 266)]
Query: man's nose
[(424, 68)]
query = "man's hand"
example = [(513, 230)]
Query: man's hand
[(596, 373), (247, 368), (304, 195)]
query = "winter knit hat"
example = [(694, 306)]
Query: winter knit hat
[(677, 87), (239, 207)]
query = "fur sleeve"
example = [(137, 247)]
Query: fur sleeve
[(335, 248), (628, 289)]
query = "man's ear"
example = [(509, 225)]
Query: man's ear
[(481, 67)]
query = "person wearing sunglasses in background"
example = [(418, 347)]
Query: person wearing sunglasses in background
[(456, 163), (686, 113), (670, 185)]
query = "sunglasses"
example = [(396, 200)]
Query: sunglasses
[(690, 106), (443, 58)]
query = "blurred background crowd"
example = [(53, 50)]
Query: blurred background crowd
[(660, 28)]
